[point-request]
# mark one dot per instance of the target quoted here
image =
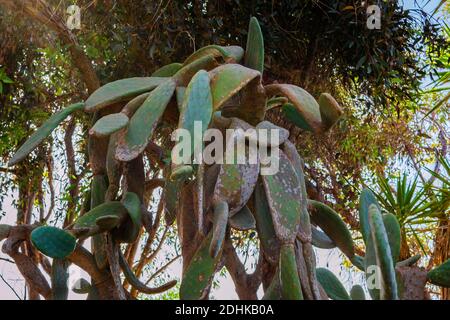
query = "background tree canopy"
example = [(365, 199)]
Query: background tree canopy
[(382, 78)]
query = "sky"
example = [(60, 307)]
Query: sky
[(331, 259)]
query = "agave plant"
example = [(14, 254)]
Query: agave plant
[(221, 87)]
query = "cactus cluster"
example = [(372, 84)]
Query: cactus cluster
[(211, 86), (387, 277)]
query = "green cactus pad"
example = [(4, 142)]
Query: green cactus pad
[(254, 51), (358, 262), (440, 275), (357, 293), (365, 200), (133, 205), (331, 223), (321, 240), (120, 90), (196, 107), (393, 232), (185, 74), (109, 124), (129, 230), (227, 80), (88, 220), (199, 273), (276, 102), (81, 286), (331, 284), (330, 110), (43, 132), (220, 221), (304, 103), (134, 104), (264, 225), (167, 70), (284, 196), (235, 184), (289, 281), (231, 54), (140, 128), (53, 242), (273, 292), (383, 254), (290, 112), (243, 220)]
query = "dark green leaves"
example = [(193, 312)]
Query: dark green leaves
[(43, 132)]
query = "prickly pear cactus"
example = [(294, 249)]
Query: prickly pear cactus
[(220, 88)]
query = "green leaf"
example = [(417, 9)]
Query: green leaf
[(254, 51), (140, 128), (331, 284), (43, 132), (109, 124), (120, 90), (53, 242)]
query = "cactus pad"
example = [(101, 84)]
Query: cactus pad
[(53, 242)]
